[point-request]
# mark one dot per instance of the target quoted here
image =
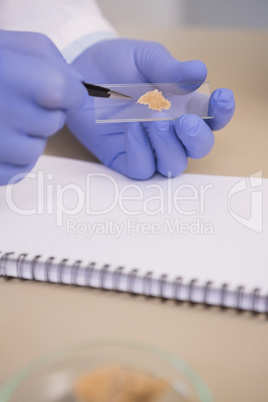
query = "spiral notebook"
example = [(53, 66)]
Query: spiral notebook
[(194, 238)]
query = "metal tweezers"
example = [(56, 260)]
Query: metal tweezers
[(102, 92)]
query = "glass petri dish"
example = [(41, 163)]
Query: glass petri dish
[(52, 378), (185, 98)]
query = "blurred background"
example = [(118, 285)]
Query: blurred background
[(170, 13)]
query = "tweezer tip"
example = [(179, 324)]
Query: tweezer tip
[(119, 95)]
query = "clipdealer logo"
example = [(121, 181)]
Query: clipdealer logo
[(97, 205), (254, 184)]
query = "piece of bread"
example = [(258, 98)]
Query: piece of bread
[(116, 384), (155, 100)]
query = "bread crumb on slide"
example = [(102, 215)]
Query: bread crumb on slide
[(155, 100)]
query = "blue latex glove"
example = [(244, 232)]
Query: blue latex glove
[(128, 148), (37, 87)]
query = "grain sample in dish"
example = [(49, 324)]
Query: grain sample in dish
[(117, 384), (155, 100)]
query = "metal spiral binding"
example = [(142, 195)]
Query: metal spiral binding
[(60, 270), (162, 284), (74, 272), (116, 278), (191, 291), (47, 267), (240, 293), (19, 263), (3, 262), (33, 265), (224, 290), (266, 306), (206, 294), (147, 284), (176, 289), (131, 281), (103, 273), (255, 298), (89, 274), (132, 275)]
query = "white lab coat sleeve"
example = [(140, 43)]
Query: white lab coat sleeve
[(73, 25)]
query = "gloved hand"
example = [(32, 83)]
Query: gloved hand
[(37, 87), (128, 148)]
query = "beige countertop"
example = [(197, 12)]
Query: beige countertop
[(229, 350)]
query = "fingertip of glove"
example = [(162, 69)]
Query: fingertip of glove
[(133, 128), (187, 125), (161, 126), (222, 98), (193, 70)]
